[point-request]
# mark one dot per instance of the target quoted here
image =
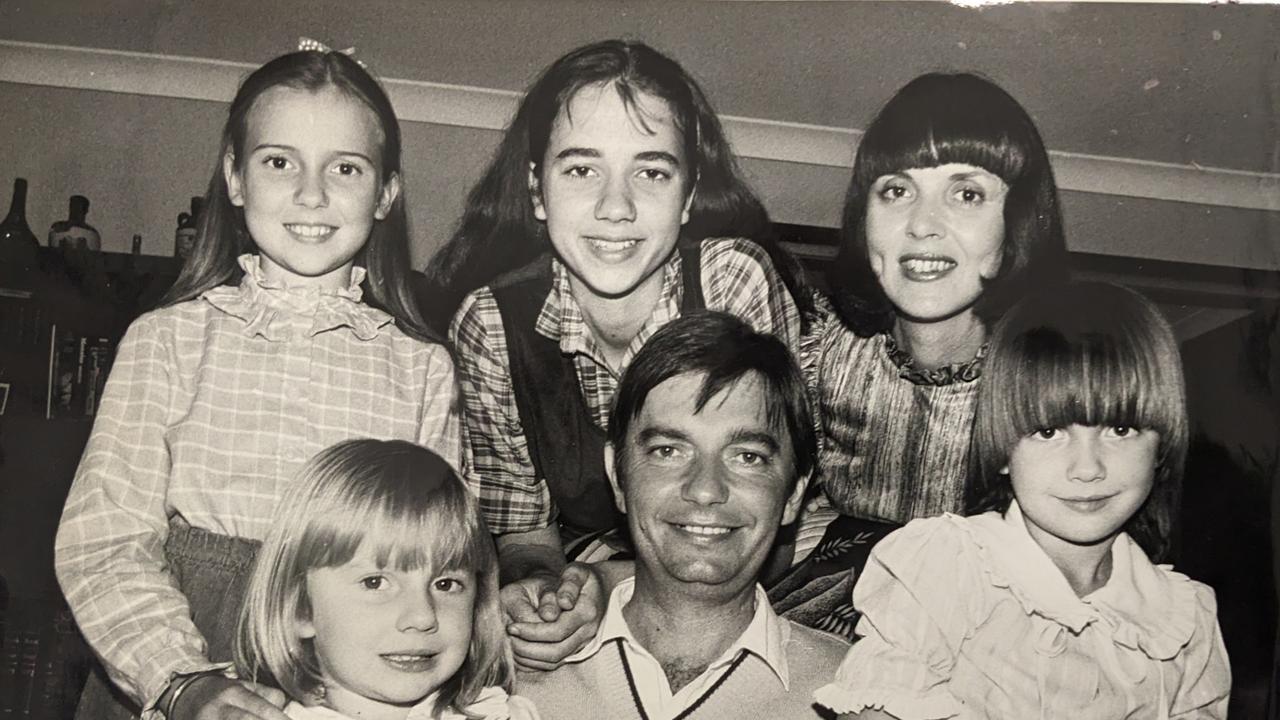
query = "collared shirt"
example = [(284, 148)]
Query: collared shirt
[(211, 407), (765, 637), (737, 277), (969, 618), (492, 704)]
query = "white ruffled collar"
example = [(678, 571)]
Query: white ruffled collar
[(1144, 607), (271, 309), (493, 703)]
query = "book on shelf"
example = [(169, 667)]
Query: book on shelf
[(78, 368)]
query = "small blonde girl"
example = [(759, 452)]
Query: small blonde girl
[(1045, 604), (375, 594)]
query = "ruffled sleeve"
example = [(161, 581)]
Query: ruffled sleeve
[(922, 592), (817, 325), (1206, 673)]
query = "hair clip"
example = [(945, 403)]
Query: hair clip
[(306, 43)]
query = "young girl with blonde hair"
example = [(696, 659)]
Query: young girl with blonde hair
[(375, 594)]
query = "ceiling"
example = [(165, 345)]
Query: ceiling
[(1179, 83)]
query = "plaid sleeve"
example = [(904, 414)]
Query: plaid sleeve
[(500, 470), (441, 428), (739, 278), (110, 543)]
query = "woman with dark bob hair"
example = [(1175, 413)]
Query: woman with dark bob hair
[(952, 214), (612, 206)]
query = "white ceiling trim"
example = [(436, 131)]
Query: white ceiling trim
[(416, 101)]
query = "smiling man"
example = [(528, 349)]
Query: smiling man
[(711, 444)]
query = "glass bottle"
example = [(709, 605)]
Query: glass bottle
[(184, 238), (75, 233), (18, 245)]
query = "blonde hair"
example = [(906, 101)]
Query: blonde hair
[(415, 511)]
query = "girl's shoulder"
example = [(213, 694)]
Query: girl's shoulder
[(477, 325), (171, 320), (733, 259), (1154, 607), (944, 545), (495, 704)]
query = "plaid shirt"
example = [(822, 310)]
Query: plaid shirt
[(737, 277), (211, 407)]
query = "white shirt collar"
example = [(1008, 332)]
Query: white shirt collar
[(765, 637)]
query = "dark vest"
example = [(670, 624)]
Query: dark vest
[(566, 447)]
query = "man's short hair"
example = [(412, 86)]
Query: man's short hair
[(726, 350)]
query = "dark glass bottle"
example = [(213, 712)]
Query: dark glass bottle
[(75, 233), (18, 245), (184, 238)]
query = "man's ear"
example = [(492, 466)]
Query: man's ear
[(235, 191), (535, 194), (611, 470), (387, 198), (791, 510)]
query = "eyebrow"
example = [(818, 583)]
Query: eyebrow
[(973, 174), (651, 433), (741, 435), (290, 148), (646, 156), (757, 436)]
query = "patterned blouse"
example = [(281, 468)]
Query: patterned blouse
[(737, 277), (210, 408), (969, 618), (894, 439)]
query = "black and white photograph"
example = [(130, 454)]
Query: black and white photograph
[(639, 359)]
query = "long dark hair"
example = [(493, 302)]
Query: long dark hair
[(223, 234), (953, 118), (498, 231), (1088, 354)]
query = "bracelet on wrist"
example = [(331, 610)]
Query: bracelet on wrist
[(178, 684)]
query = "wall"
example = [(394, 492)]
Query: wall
[(1131, 154)]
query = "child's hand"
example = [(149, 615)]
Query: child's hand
[(550, 618), (220, 698)]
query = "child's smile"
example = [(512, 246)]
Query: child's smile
[(1078, 485), (387, 638), (310, 183)]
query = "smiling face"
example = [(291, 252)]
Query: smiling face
[(933, 235), (613, 189), (704, 491), (386, 638), (310, 183), (1078, 485)]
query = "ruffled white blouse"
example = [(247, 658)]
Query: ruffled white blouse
[(969, 618)]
